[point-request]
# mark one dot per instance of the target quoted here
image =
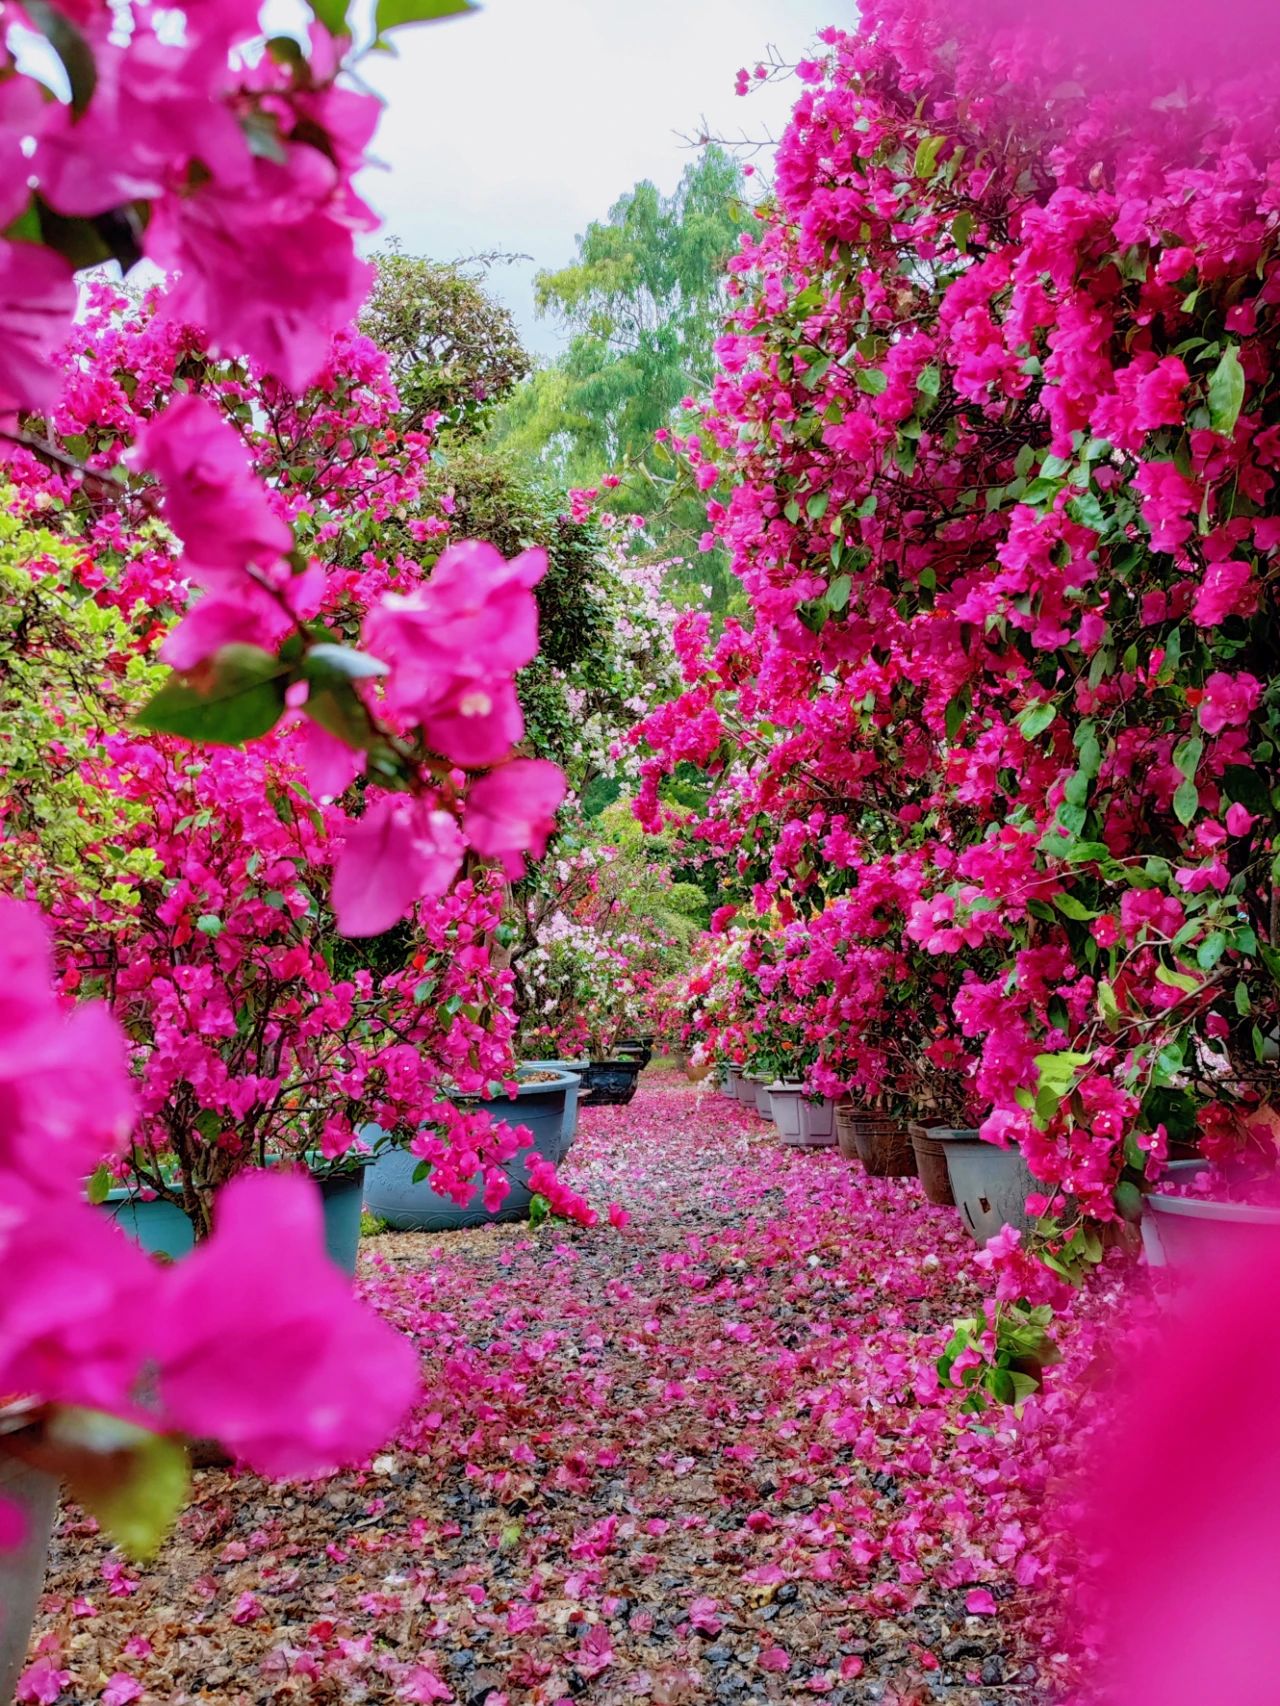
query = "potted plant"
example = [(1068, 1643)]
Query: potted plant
[(260, 1038), (406, 1186), (1200, 1210)]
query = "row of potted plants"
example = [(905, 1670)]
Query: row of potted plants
[(391, 1182), (1198, 1206)]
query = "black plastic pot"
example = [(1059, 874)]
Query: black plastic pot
[(609, 1082)]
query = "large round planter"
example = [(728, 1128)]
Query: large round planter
[(162, 1229), (391, 1194), (760, 1095), (575, 1070), (990, 1186), (1195, 1232), (785, 1101), (930, 1144), (884, 1147), (636, 1048), (817, 1122), (22, 1570), (609, 1083)]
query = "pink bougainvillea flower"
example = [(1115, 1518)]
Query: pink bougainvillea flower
[(65, 1094), (401, 851), (268, 266), (121, 1689), (263, 1344), (329, 764), (512, 811), (155, 110), (37, 302), (41, 1682), (214, 501), (76, 1307), (476, 719), (979, 1603), (1228, 700), (475, 620), (1186, 1491)]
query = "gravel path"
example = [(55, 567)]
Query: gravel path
[(700, 1458)]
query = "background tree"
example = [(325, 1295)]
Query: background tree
[(643, 303), (451, 350)]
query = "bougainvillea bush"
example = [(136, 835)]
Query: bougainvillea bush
[(235, 404), (994, 453)]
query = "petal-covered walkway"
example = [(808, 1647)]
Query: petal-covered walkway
[(704, 1457)]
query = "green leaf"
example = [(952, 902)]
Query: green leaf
[(341, 663), (135, 1482), (1177, 979), (99, 1185), (1107, 1004), (1128, 1200), (1211, 950), (816, 507), (1087, 852), (962, 230), (838, 594), (1057, 1071), (1070, 907), (394, 14), (209, 924), (930, 381), (1226, 392), (71, 48), (1035, 719), (1187, 755), (953, 717), (240, 696), (926, 160), (1186, 801), (871, 380)]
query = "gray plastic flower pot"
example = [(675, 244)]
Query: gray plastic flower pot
[(745, 1090), (1189, 1233), (162, 1229), (22, 1570), (990, 1186), (784, 1109), (575, 1070), (817, 1122), (761, 1098), (391, 1194)]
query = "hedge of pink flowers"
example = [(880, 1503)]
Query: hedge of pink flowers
[(994, 453)]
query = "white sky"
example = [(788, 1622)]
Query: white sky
[(513, 128)]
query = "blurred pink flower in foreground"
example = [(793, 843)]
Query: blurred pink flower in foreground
[(1186, 1499)]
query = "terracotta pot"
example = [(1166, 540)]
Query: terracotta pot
[(884, 1147), (22, 1570), (930, 1145), (844, 1131)]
